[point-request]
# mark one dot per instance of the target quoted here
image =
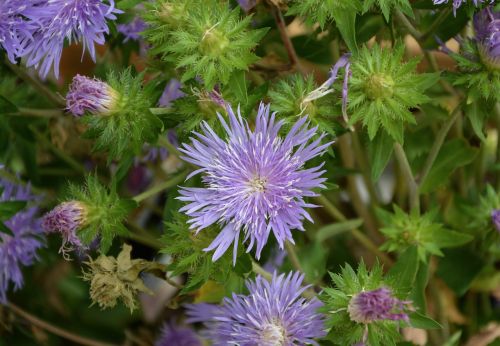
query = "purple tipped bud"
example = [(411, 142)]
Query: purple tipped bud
[(495, 218), (171, 93), (90, 95), (376, 305), (487, 27), (66, 219)]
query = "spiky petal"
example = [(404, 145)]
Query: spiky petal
[(273, 313), (487, 27), (171, 93), (174, 335), (66, 219), (19, 248), (82, 21), (368, 306), (254, 181), (90, 95)]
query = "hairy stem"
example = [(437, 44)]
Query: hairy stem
[(35, 321)]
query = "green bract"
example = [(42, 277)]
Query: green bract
[(387, 6), (321, 11), (186, 249), (129, 124), (288, 98), (481, 213), (349, 283), (105, 212), (404, 230), (383, 89), (211, 42)]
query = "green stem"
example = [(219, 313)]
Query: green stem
[(36, 84), (365, 168), (440, 19), (37, 322), (41, 113), (145, 240), (436, 147), (164, 142), (360, 236), (408, 25), (292, 256), (410, 179), (159, 188)]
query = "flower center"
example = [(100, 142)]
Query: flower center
[(213, 43), (257, 184), (379, 86), (273, 334)]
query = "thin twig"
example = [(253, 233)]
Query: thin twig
[(159, 188), (292, 256), (410, 179), (408, 25), (53, 329)]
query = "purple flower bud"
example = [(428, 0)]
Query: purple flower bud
[(174, 335), (487, 27), (379, 304), (132, 30), (90, 95), (495, 218), (66, 218)]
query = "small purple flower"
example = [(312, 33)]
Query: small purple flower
[(487, 27), (495, 218), (273, 313), (15, 30), (171, 93), (132, 30), (66, 218), (19, 248), (458, 3), (255, 181), (90, 95), (247, 5), (75, 20), (173, 335), (379, 304)]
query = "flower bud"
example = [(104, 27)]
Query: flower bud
[(487, 27), (90, 95)]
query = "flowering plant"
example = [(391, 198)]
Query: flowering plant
[(249, 172)]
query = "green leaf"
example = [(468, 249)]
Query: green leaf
[(417, 295), (423, 322), (455, 153), (239, 86), (337, 228), (404, 271), (454, 340), (346, 23), (476, 117), (449, 238), (10, 208), (127, 4), (381, 151)]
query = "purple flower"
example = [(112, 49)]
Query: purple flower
[(173, 335), (66, 218), (495, 218), (247, 5), (273, 313), (255, 181), (15, 30), (132, 30), (487, 27), (90, 95), (19, 248), (379, 304), (76, 20), (171, 93), (458, 3)]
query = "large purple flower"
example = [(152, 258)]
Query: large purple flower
[(458, 3), (76, 20), (18, 248), (255, 181), (174, 335), (487, 28), (15, 30), (273, 313)]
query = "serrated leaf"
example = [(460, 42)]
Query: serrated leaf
[(404, 271), (455, 153), (423, 322), (476, 117), (238, 85), (346, 23)]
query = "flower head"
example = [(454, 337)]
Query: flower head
[(66, 218), (273, 313), (90, 95), (487, 27), (495, 218), (458, 3), (76, 20), (368, 306), (255, 181), (19, 247), (174, 335), (15, 30)]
